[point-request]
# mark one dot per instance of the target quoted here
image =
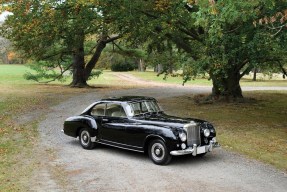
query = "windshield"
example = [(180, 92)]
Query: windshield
[(143, 107)]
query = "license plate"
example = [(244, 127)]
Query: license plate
[(201, 150)]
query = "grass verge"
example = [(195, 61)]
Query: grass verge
[(22, 105), (19, 134), (257, 128), (262, 80)]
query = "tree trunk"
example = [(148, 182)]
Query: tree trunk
[(170, 68), (254, 73), (81, 72), (5, 58), (91, 64), (141, 65), (100, 47), (228, 87), (79, 79), (159, 68)]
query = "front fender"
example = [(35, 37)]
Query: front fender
[(166, 135)]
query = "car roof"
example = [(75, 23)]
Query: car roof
[(122, 99), (128, 98)]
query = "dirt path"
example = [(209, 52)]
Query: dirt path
[(65, 166)]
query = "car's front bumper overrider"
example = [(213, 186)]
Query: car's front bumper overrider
[(195, 150)]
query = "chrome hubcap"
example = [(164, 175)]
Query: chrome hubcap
[(157, 151), (85, 137)]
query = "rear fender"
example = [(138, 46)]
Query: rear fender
[(73, 125), (91, 122)]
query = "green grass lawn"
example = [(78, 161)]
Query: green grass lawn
[(246, 81), (152, 76), (13, 74), (257, 129), (17, 140)]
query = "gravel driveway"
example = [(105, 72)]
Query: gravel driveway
[(65, 166)]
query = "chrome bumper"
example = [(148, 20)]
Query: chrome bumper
[(195, 150)]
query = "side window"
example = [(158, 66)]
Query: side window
[(136, 108), (99, 110), (115, 110), (144, 107)]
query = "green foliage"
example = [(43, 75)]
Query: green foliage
[(130, 53), (220, 38), (123, 66), (95, 74), (119, 54), (55, 32), (44, 71), (214, 37)]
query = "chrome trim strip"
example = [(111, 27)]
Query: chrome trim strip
[(120, 147), (120, 143), (182, 152)]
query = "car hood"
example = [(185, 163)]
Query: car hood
[(161, 119)]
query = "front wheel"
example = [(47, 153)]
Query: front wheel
[(158, 152), (85, 139)]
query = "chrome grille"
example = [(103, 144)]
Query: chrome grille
[(193, 134)]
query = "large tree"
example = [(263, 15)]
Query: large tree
[(65, 35), (216, 37)]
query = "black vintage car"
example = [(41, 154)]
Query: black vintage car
[(138, 124)]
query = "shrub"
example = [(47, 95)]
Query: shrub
[(123, 66)]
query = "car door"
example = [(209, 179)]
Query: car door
[(98, 113), (136, 134), (113, 124)]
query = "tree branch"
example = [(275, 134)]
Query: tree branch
[(110, 39), (57, 77), (188, 32), (246, 71), (242, 64), (100, 47)]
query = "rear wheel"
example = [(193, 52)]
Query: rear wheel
[(158, 152), (85, 139)]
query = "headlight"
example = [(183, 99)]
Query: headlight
[(182, 136), (206, 132)]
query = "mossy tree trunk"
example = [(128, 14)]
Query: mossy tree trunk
[(227, 85)]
